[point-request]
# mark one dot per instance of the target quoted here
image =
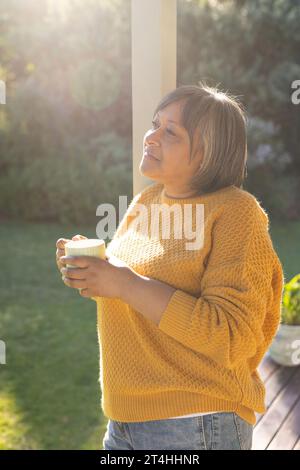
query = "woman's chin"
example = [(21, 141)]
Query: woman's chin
[(148, 172)]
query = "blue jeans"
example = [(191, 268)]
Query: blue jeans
[(217, 431)]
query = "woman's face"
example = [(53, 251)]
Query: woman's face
[(170, 144)]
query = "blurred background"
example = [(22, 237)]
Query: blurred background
[(65, 147)]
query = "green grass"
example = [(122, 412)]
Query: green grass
[(49, 393)]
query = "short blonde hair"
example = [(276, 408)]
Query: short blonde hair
[(216, 124)]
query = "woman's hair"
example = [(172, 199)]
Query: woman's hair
[(216, 124)]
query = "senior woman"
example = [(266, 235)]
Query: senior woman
[(183, 326)]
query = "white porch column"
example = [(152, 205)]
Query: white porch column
[(153, 42)]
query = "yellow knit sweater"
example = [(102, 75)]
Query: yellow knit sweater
[(203, 355)]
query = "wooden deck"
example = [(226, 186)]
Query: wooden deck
[(279, 427)]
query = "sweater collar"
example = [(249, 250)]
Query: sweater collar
[(164, 198)]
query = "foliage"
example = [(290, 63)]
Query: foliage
[(65, 132), (251, 48), (291, 302)]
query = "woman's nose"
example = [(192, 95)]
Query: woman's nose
[(152, 137)]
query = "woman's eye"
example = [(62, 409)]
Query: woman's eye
[(169, 130)]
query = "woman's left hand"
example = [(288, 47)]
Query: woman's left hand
[(95, 277)]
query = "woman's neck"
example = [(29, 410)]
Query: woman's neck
[(177, 194)]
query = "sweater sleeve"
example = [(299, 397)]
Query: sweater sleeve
[(241, 286)]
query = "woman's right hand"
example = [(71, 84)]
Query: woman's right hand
[(60, 248)]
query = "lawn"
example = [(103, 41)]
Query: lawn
[(49, 393)]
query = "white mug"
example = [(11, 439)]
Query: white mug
[(85, 247)]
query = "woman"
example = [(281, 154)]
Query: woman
[(183, 325)]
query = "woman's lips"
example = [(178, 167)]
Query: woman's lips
[(149, 155)]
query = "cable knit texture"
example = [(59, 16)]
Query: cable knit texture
[(218, 324)]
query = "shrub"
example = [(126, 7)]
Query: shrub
[(291, 302)]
